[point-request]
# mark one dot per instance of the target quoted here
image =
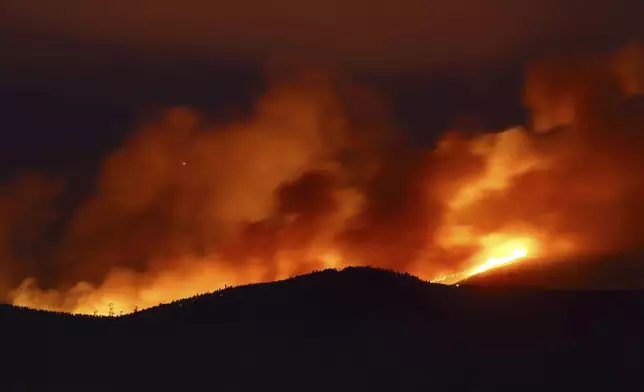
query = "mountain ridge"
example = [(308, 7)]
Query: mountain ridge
[(355, 329)]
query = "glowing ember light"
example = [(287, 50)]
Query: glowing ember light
[(495, 262), (499, 250)]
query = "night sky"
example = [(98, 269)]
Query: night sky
[(76, 76)]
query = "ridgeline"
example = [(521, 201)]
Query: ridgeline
[(359, 329)]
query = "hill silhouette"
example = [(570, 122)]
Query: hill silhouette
[(358, 329)]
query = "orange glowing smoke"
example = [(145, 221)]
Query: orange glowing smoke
[(315, 179), (124, 290)]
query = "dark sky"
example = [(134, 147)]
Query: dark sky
[(76, 74)]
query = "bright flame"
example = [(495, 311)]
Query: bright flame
[(498, 251), (495, 262)]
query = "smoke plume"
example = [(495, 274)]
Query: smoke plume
[(316, 178)]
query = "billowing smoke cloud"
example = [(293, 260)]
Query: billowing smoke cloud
[(315, 179), (27, 207), (179, 190), (593, 179)]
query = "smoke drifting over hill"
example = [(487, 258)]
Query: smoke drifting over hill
[(317, 178)]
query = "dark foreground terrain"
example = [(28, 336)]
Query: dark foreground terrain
[(355, 330)]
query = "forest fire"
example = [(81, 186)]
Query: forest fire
[(499, 261), (496, 262), (316, 179), (500, 251)]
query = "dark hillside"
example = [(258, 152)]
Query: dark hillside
[(350, 293), (356, 330)]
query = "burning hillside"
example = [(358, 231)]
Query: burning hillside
[(316, 178)]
